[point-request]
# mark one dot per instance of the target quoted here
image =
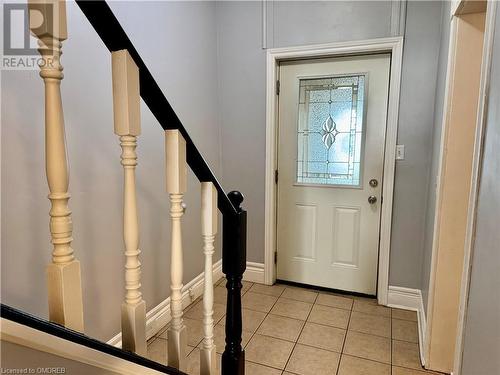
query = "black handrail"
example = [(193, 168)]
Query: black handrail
[(54, 329), (110, 31)]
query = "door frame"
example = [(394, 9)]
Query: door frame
[(392, 45), (489, 35)]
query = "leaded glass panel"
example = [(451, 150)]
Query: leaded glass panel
[(330, 130)]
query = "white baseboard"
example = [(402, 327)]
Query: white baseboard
[(410, 299), (159, 316), (254, 273)]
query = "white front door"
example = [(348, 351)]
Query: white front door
[(332, 123)]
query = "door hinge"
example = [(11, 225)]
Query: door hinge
[(275, 176), (277, 87), (275, 257)]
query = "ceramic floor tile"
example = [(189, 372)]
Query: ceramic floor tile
[(220, 295), (372, 347), (251, 320), (323, 337), (161, 330), (404, 315), (194, 331), (256, 369), (372, 324), (158, 351), (220, 339), (292, 309), (404, 330), (268, 351), (245, 286), (193, 362), (281, 327), (306, 360), (300, 294), (258, 302), (271, 290), (407, 371), (358, 366), (334, 301), (196, 312), (406, 354), (371, 307), (330, 316)]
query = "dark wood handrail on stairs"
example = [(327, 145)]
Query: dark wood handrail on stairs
[(28, 320), (114, 37)]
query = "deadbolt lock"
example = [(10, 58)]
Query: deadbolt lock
[(373, 183)]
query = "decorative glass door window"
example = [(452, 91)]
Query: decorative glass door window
[(330, 130)]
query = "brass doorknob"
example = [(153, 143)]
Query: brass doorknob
[(372, 199)]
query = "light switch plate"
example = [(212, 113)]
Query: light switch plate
[(400, 152)]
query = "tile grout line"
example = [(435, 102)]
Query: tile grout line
[(314, 303), (345, 338), (300, 333), (255, 332)]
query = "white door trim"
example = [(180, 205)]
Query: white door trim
[(394, 45)]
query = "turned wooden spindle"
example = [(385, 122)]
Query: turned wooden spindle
[(48, 24), (208, 357), (176, 174), (127, 125)]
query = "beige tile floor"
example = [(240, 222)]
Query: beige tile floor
[(289, 330)]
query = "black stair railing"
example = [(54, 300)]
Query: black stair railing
[(114, 37), (20, 317)]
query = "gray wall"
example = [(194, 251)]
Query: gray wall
[(482, 332), (435, 152), (415, 131), (241, 67), (178, 43)]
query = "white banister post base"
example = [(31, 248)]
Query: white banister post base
[(133, 327), (208, 361), (64, 285), (177, 348)]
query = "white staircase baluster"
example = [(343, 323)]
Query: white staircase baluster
[(127, 125), (208, 356), (176, 175), (48, 24)]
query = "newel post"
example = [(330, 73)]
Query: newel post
[(234, 238), (127, 125), (48, 24), (176, 173)]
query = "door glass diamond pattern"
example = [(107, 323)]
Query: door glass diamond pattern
[(330, 130)]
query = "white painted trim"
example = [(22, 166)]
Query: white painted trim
[(410, 299), (437, 212), (254, 273), (398, 17), (159, 316), (26, 336), (489, 33), (394, 45)]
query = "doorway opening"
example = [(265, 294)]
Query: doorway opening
[(346, 176)]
